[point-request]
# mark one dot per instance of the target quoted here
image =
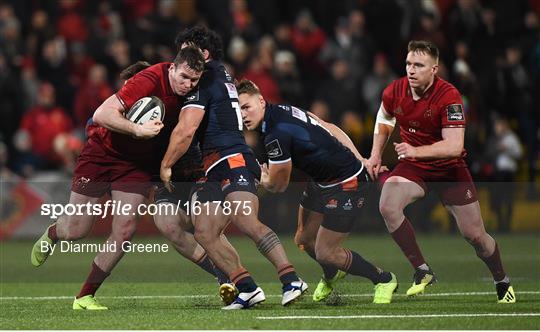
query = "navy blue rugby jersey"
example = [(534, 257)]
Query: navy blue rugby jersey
[(220, 133), (291, 134)]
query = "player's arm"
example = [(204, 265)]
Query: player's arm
[(180, 140), (451, 146), (340, 135), (110, 114), (384, 126), (275, 177)]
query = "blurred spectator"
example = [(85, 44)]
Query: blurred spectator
[(10, 41), (308, 40), (505, 150), (40, 31), (355, 49), (244, 24), (374, 84), (165, 23), (43, 123), (429, 30), (11, 99), (238, 53), (91, 94), (283, 38), (79, 63), (464, 20), (341, 91), (260, 67), (118, 57), (53, 67), (519, 103), (29, 84), (288, 79), (71, 25)]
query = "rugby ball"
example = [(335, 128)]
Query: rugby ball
[(146, 109)]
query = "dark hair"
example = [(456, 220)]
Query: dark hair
[(192, 56), (424, 46), (247, 86), (133, 69), (203, 38)]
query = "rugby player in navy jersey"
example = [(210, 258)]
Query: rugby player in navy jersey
[(337, 190), (211, 114)]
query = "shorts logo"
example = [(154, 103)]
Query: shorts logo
[(273, 149), (348, 206), (360, 203), (468, 194), (242, 181), (82, 182), (332, 204), (455, 112), (225, 184)]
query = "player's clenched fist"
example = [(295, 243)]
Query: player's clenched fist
[(148, 129)]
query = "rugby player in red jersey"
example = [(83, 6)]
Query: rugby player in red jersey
[(119, 157), (432, 123)]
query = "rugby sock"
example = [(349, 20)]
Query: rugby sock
[(93, 281), (243, 281), (206, 264), (287, 274), (329, 271), (494, 264), (51, 233), (358, 266), (406, 240)]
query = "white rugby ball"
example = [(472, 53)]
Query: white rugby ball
[(146, 109)]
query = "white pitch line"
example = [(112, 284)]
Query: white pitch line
[(528, 314), (138, 297)]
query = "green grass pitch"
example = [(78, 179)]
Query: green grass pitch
[(164, 291)]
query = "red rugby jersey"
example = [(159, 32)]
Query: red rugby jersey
[(152, 81), (421, 121)]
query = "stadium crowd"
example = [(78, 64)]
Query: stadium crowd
[(60, 59)]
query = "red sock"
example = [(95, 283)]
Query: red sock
[(494, 264), (93, 281), (406, 240), (52, 233)]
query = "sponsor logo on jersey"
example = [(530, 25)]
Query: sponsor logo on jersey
[(242, 181), (348, 206), (285, 107), (414, 123), (454, 112), (231, 89), (332, 204), (299, 114), (273, 149), (193, 96)]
